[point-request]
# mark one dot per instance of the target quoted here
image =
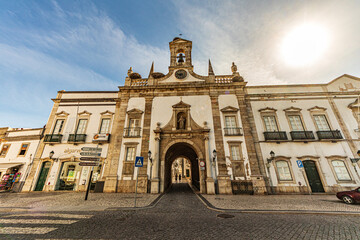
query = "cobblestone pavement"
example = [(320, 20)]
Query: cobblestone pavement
[(178, 215), (320, 202), (74, 201)]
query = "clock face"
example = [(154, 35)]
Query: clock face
[(180, 74)]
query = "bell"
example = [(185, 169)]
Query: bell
[(181, 58)]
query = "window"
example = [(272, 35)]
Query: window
[(296, 123), (321, 122), (283, 170), (105, 126), (130, 153), (4, 150), (23, 149), (58, 126), (341, 170), (230, 122), (81, 126), (235, 152), (270, 124), (134, 129)]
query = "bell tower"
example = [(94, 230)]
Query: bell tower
[(180, 54)]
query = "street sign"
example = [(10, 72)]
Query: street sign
[(139, 161), (300, 163), (89, 159), (89, 163), (90, 154), (91, 149), (202, 165)]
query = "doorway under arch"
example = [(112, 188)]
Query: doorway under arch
[(182, 150)]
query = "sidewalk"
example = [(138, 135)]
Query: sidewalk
[(281, 203), (71, 201)]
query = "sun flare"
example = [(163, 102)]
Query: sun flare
[(305, 45)]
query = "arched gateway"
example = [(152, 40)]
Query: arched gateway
[(186, 150)]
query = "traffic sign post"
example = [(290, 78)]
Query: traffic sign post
[(202, 165), (139, 162), (90, 161)]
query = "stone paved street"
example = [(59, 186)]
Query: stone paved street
[(178, 215)]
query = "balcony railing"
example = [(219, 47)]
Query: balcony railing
[(77, 138), (331, 134), (302, 135), (132, 132), (275, 136), (53, 138), (235, 131)]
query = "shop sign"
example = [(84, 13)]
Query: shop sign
[(89, 164), (89, 159), (90, 154), (91, 149)]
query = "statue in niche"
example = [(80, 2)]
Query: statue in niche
[(181, 121)]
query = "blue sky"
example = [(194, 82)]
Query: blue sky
[(46, 46)]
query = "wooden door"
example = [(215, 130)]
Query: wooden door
[(313, 176), (43, 175)]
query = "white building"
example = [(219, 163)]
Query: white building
[(17, 151), (225, 129)]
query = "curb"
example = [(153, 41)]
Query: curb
[(270, 211)]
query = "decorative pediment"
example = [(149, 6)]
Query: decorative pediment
[(62, 114), (135, 111), (316, 108), (267, 109), (292, 109), (229, 109), (181, 104), (355, 105), (107, 112), (84, 113)]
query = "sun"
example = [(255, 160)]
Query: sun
[(305, 45)]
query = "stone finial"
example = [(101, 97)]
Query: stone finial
[(211, 71), (233, 68), (205, 124), (158, 124), (130, 71)]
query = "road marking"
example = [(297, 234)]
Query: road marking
[(60, 215), (37, 221), (28, 230)]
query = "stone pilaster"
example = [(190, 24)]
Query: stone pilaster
[(210, 183), (224, 182), (155, 181), (252, 144), (113, 157), (30, 180), (143, 178)]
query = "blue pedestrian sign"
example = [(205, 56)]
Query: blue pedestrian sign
[(139, 161), (299, 163)]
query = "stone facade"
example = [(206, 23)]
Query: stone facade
[(224, 128)]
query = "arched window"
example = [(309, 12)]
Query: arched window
[(341, 171), (283, 170)]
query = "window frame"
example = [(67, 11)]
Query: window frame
[(288, 161), (320, 111), (27, 148), (344, 160), (101, 122), (266, 112), (62, 128), (2, 148), (104, 115)]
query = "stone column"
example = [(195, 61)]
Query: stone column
[(143, 177), (224, 182), (210, 186), (252, 144), (113, 156), (155, 181)]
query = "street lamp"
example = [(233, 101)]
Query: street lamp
[(214, 155), (150, 159), (269, 160)]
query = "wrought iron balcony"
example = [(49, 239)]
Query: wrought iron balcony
[(234, 131), (132, 132), (302, 135), (275, 136), (77, 138), (331, 134), (53, 138)]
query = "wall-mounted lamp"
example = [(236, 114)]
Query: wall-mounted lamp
[(149, 155), (272, 157), (214, 155), (51, 154)]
